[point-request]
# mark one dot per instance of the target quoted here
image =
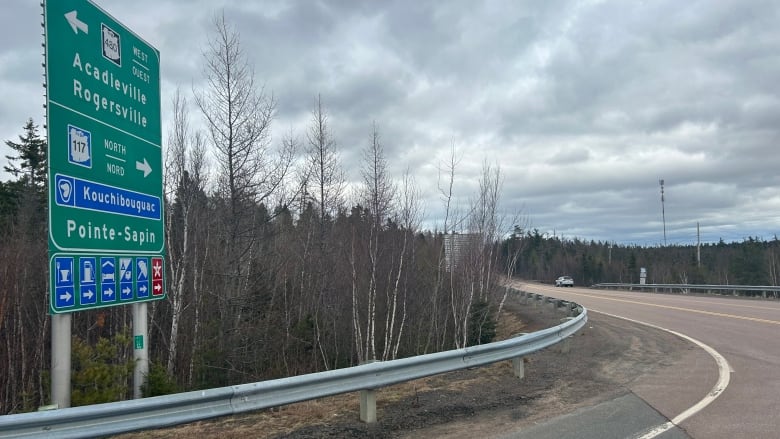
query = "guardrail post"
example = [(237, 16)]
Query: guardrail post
[(368, 401), (518, 367), (518, 363), (565, 344), (368, 406)]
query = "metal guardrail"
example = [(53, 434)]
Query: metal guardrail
[(163, 411), (691, 287)]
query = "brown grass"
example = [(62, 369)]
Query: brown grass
[(282, 420)]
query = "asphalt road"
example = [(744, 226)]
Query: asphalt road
[(627, 416), (744, 332)]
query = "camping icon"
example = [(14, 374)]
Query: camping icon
[(125, 269)]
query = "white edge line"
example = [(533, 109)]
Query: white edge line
[(724, 376)]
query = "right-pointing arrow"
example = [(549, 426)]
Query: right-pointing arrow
[(76, 24), (143, 167)]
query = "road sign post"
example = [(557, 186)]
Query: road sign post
[(106, 222)]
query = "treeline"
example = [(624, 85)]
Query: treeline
[(754, 261), (274, 265), (256, 293)]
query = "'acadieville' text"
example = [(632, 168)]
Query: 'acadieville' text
[(106, 80)]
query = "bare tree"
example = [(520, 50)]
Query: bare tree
[(377, 193), (324, 183), (238, 115), (514, 248), (185, 175), (437, 333), (484, 223), (409, 217), (325, 177)]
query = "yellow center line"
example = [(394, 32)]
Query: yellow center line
[(710, 313), (688, 299)]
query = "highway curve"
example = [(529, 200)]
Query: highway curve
[(742, 331)]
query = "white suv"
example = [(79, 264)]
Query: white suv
[(564, 281)]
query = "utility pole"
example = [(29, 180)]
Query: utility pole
[(663, 213), (698, 246)]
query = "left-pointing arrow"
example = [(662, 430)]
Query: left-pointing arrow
[(76, 24), (144, 167)]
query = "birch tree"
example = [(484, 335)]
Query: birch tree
[(377, 193), (186, 178), (444, 282), (409, 216), (483, 223)]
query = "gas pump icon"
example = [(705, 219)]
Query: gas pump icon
[(88, 284), (88, 275)]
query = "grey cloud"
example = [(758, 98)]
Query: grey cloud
[(585, 105)]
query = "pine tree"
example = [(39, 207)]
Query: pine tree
[(24, 201), (32, 156)]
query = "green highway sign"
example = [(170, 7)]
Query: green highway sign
[(105, 156)]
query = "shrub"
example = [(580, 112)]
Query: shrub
[(101, 373), (157, 382)]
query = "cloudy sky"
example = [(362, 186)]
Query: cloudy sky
[(584, 105)]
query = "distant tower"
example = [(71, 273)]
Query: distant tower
[(698, 246), (663, 213)]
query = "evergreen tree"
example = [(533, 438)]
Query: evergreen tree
[(748, 266), (32, 157), (25, 199), (9, 195), (631, 267)]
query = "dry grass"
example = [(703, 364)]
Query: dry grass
[(282, 420)]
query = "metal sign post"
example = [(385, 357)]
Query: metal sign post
[(106, 231)]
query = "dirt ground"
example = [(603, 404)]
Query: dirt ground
[(604, 359)]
